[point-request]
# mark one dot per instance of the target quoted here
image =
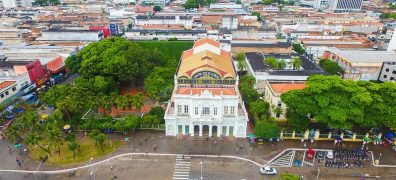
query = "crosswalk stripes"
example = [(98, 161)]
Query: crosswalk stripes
[(182, 168), (284, 161)]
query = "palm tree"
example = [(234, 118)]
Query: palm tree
[(54, 137), (34, 139), (138, 101), (73, 145), (100, 138), (13, 134), (296, 63), (242, 65), (281, 64), (271, 61)]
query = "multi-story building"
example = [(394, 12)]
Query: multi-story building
[(273, 92), (345, 5), (206, 100), (388, 71), (71, 35), (7, 4), (321, 4), (360, 64)]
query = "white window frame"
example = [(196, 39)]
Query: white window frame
[(179, 108), (232, 110), (196, 110), (205, 110), (185, 109), (225, 109)]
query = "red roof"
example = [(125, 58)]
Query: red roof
[(285, 87), (5, 84), (214, 91), (55, 65), (206, 41)]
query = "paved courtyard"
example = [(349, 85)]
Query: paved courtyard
[(144, 167)]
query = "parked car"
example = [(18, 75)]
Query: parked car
[(330, 155), (319, 155), (268, 170)]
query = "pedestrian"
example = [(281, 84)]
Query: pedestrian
[(302, 141), (207, 139), (9, 149), (25, 150), (236, 150), (305, 145), (183, 156), (241, 146), (146, 151), (155, 147), (145, 139), (273, 146)]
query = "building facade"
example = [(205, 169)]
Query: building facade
[(388, 71), (206, 100), (345, 5), (273, 92)]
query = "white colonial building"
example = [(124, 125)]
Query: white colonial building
[(206, 99)]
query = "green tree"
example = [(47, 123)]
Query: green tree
[(54, 137), (296, 63), (73, 145), (35, 139), (331, 67), (258, 15), (267, 129), (158, 79), (138, 101), (159, 112), (242, 65), (73, 63), (267, 2), (298, 48), (132, 122), (93, 135), (295, 121), (259, 110), (336, 102), (272, 62), (281, 64), (100, 138), (289, 176), (157, 8)]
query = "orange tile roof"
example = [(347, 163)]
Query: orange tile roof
[(214, 91), (55, 65), (5, 84), (285, 87), (206, 41)]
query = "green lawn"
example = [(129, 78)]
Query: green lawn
[(171, 50), (87, 147)]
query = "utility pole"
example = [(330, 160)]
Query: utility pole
[(201, 170)]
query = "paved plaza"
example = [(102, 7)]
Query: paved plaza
[(173, 166)]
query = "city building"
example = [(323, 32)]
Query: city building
[(71, 35), (321, 4), (7, 90), (273, 92), (345, 5), (360, 64), (206, 100), (388, 71), (263, 72), (8, 4)]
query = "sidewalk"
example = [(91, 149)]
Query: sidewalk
[(259, 153)]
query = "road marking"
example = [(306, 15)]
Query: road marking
[(182, 168), (284, 161)]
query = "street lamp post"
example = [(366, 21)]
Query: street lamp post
[(201, 170), (90, 162), (108, 131), (317, 176)]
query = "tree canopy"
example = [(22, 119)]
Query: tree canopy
[(331, 67), (298, 48), (267, 129), (191, 4), (343, 104)]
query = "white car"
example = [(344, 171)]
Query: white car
[(267, 170), (330, 155)]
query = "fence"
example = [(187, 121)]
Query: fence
[(316, 135)]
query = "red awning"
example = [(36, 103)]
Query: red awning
[(56, 65)]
